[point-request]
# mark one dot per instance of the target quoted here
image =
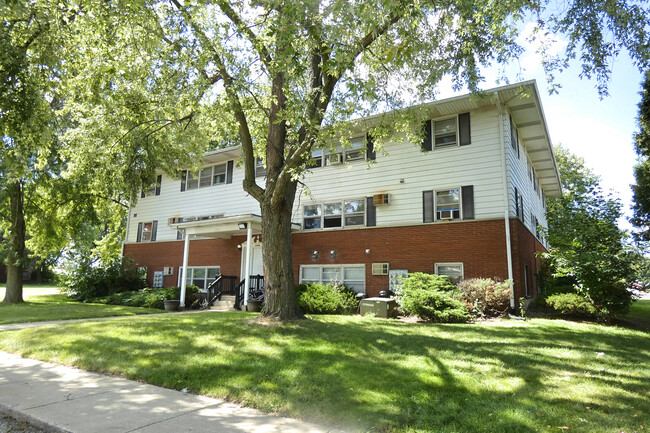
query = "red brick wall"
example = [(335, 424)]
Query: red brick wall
[(479, 245), (203, 252), (524, 252)]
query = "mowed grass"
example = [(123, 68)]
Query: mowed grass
[(640, 309), (377, 375), (44, 303)]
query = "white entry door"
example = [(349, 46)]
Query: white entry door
[(257, 267)]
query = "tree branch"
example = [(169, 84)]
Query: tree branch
[(249, 183), (261, 49)]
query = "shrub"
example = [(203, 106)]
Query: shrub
[(433, 298), (571, 303), (149, 298), (87, 282), (485, 297), (317, 298)]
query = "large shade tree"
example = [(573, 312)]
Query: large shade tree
[(641, 189), (58, 191), (586, 244), (278, 77)]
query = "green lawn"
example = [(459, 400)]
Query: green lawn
[(44, 303), (640, 309), (377, 375)]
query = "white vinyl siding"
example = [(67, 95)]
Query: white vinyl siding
[(406, 171), (227, 199), (521, 175)]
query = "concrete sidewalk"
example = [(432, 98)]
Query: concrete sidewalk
[(64, 399)]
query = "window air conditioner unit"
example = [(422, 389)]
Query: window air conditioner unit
[(380, 269), (168, 270), (381, 199), (446, 214)]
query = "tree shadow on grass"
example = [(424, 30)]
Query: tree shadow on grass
[(380, 375)]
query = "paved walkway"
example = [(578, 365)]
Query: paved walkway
[(64, 399)]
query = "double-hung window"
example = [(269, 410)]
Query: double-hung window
[(448, 204), (346, 213), (147, 231), (445, 132)]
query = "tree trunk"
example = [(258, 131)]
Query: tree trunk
[(279, 286), (14, 290)]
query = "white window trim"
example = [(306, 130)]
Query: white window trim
[(192, 268), (462, 268), (197, 176), (341, 270), (435, 203), (343, 214), (322, 155), (142, 239), (433, 133)]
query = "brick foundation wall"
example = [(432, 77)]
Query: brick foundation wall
[(203, 252), (524, 253), (479, 245)]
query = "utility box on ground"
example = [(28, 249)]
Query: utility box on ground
[(380, 307)]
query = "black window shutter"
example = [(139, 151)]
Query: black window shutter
[(371, 213), (183, 180), (154, 229), (464, 129), (516, 202), (427, 142), (142, 194), (139, 238), (517, 142), (229, 168), (427, 206), (371, 155), (467, 194), (158, 183)]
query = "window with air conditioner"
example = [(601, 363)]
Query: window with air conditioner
[(447, 203)]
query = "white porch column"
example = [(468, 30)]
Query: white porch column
[(186, 254), (249, 252)]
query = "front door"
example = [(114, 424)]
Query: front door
[(257, 267)]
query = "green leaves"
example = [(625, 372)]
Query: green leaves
[(586, 243)]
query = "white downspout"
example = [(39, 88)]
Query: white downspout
[(186, 255), (249, 248), (506, 201)]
